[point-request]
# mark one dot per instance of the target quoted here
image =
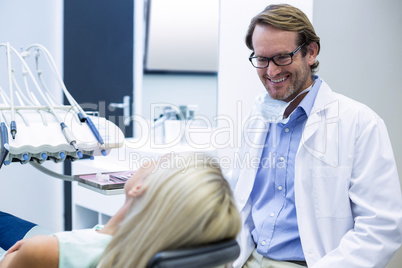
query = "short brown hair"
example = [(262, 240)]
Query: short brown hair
[(287, 18)]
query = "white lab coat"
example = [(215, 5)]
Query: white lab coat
[(347, 192)]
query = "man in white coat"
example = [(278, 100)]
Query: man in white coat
[(325, 192)]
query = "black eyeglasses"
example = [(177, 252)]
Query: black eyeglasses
[(279, 60)]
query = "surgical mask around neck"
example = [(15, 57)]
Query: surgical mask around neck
[(272, 110)]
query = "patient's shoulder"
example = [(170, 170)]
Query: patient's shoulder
[(37, 251)]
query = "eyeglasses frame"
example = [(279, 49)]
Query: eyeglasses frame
[(291, 54)]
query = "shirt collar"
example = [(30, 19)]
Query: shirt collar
[(308, 101)]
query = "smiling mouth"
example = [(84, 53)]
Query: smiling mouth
[(278, 80)]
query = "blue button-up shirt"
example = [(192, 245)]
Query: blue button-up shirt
[(276, 232)]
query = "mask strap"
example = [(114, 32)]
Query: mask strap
[(290, 102)]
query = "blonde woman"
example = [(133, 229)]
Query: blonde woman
[(178, 202)]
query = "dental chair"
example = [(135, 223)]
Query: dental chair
[(206, 256)]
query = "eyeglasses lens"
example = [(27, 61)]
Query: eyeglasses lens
[(280, 60)]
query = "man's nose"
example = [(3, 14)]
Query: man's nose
[(273, 69)]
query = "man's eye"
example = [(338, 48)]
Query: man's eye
[(282, 58)]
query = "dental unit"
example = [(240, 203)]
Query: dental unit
[(40, 128)]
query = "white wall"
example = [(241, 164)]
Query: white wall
[(25, 191), (360, 57)]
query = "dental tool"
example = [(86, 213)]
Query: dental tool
[(13, 125), (4, 144)]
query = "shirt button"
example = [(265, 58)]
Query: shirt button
[(263, 243), (286, 129), (280, 188), (281, 158), (272, 214)]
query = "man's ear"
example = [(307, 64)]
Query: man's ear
[(312, 52), (137, 191)]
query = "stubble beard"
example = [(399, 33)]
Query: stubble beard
[(296, 86)]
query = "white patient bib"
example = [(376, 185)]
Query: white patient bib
[(81, 248)]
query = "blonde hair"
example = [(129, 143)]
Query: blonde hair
[(287, 18), (187, 202)]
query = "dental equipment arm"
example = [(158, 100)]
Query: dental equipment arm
[(83, 117), (48, 131)]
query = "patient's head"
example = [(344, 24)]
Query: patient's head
[(184, 201)]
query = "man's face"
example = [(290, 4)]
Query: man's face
[(281, 82)]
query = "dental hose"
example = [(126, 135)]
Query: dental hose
[(80, 112)]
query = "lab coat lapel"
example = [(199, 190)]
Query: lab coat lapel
[(253, 146), (322, 124)]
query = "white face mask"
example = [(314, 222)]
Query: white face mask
[(272, 110)]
